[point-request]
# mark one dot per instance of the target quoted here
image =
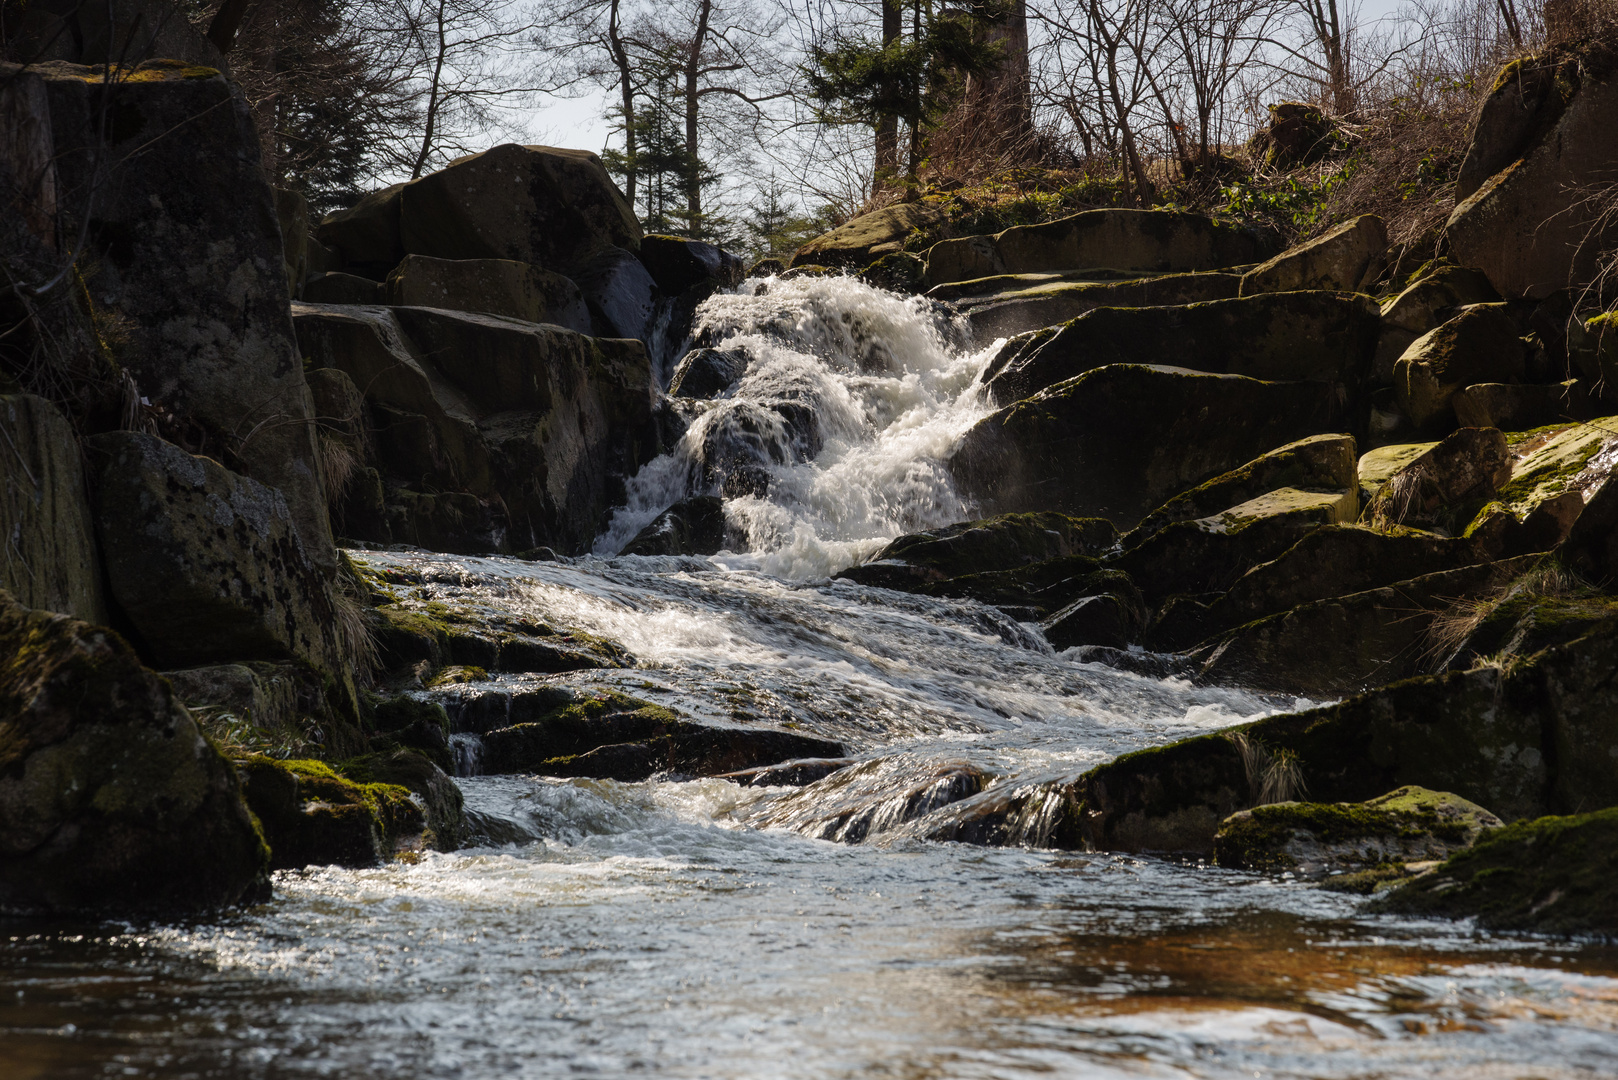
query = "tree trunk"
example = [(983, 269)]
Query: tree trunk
[(887, 124), (434, 96), (999, 116), (693, 164), (626, 91)]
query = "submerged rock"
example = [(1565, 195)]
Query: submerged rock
[(871, 798), (111, 801), (1312, 840), (708, 373), (1555, 875)]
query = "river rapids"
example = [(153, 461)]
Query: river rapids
[(698, 928)]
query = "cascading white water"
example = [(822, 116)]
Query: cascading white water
[(850, 403)]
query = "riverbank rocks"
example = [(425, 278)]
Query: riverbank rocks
[(186, 256), (111, 801), (313, 817), (1445, 485), (1119, 440), (615, 737), (442, 802), (1313, 840), (1480, 345), (1345, 258), (863, 239), (1527, 227), (975, 547), (693, 526), (1554, 875), (491, 434), (1424, 305), (708, 373), (268, 706), (539, 205), (1323, 337), (51, 559), (1533, 737), (1154, 241), (677, 264), (1025, 306), (206, 564), (491, 286)]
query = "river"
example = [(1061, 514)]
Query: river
[(701, 929)]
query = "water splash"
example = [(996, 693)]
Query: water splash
[(834, 440)]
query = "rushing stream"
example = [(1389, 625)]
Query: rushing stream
[(703, 929)]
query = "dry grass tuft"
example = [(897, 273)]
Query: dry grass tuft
[(1272, 777)]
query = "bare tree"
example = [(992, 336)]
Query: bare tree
[(1216, 40)]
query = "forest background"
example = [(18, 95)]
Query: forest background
[(760, 123)]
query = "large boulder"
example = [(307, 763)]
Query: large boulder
[(1323, 337), (857, 242), (51, 560), (366, 235), (1120, 440), (1482, 344), (1556, 875), (1031, 306), (1342, 259), (1444, 486), (977, 547), (1151, 241), (693, 526), (111, 800), (490, 286), (1425, 304), (1529, 227), (313, 816), (206, 564), (708, 373), (550, 208), (1527, 98), (678, 264), (186, 254), (108, 32), (621, 294)]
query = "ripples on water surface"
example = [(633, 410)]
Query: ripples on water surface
[(655, 929)]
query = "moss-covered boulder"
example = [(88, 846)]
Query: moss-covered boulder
[(208, 565), (897, 271), (1341, 259), (1318, 463), (1444, 486), (442, 801), (615, 737), (491, 286), (1153, 241), (314, 817), (693, 526), (1553, 875), (1426, 304), (417, 724), (1536, 736), (1324, 337), (1481, 344), (1111, 613), (51, 562), (1312, 840), (1527, 226), (1025, 305), (277, 707), (976, 547), (111, 800), (1120, 440), (864, 239), (1528, 96), (1523, 407)]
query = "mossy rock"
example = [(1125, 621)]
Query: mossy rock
[(1443, 488), (1481, 344), (423, 777), (1312, 840), (421, 725), (312, 816), (897, 271), (1028, 305), (977, 547), (1555, 875), (1343, 259), (853, 244)]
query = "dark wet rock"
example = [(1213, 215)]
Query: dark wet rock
[(1025, 306), (442, 802), (366, 235), (1527, 226), (708, 373), (1118, 441), (615, 737), (1553, 875), (1481, 344), (208, 565), (1116, 618), (788, 773), (1033, 812), (1318, 463), (872, 798), (438, 635), (1158, 241), (185, 253), (417, 724), (491, 286), (1534, 737), (1137, 661), (1345, 258), (111, 800), (693, 526), (677, 264), (1518, 407), (749, 436), (313, 817), (621, 295), (1426, 304), (550, 208), (338, 287), (1319, 336), (976, 547), (1313, 840), (868, 237), (51, 559)]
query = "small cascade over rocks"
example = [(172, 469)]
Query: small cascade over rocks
[(832, 436)]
